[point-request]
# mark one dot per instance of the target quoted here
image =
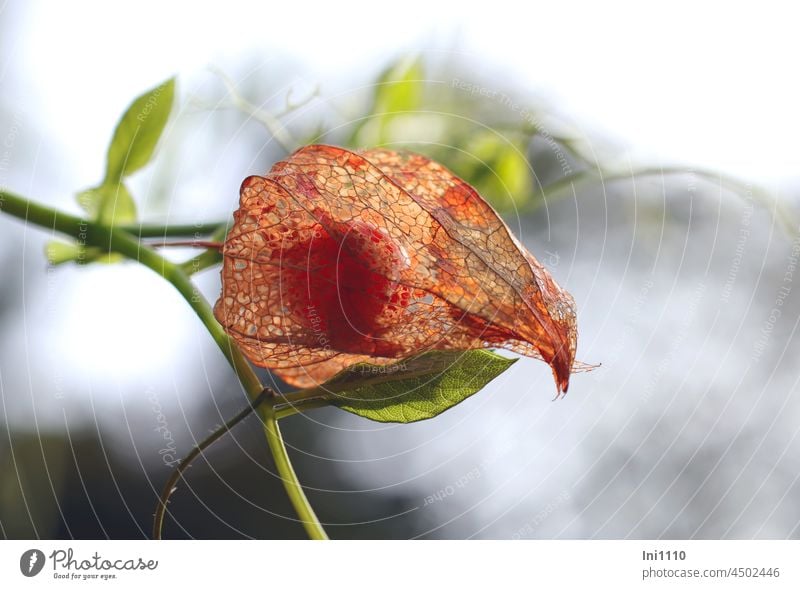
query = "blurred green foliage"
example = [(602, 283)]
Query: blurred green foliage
[(479, 132)]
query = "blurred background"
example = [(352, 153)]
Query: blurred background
[(648, 157)]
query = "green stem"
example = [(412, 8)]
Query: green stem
[(202, 309), (300, 407), (298, 498), (46, 217), (778, 209), (254, 387), (186, 230), (208, 258), (116, 239)]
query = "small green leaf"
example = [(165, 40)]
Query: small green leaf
[(400, 87), (416, 388), (109, 204), (138, 132), (497, 168), (398, 91), (58, 252)]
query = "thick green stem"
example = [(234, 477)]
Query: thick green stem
[(117, 239), (46, 217)]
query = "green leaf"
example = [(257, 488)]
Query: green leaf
[(58, 252), (138, 132), (398, 91), (416, 388), (131, 148), (400, 87), (109, 204), (498, 169)]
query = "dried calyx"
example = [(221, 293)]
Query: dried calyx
[(337, 257)]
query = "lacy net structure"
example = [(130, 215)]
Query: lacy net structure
[(337, 257)]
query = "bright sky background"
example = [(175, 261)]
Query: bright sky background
[(714, 85)]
